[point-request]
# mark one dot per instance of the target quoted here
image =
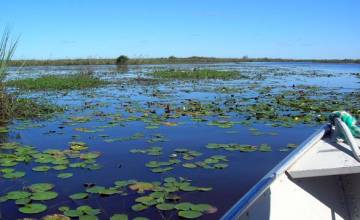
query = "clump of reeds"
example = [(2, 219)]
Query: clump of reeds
[(7, 50), (10, 105)]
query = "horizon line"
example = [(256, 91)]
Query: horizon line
[(185, 57)]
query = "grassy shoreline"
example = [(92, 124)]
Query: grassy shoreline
[(169, 60)]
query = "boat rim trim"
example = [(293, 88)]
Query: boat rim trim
[(264, 183)]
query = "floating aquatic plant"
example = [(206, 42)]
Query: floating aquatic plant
[(78, 196), (141, 186), (65, 175), (84, 211), (33, 208), (14, 175), (119, 217), (60, 160), (56, 217), (152, 151), (232, 147), (249, 108), (34, 192), (78, 146), (43, 195)]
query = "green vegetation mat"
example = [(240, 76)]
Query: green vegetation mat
[(57, 82), (197, 74)]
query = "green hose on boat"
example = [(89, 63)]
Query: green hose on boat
[(349, 120)]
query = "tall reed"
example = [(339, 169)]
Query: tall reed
[(7, 49)]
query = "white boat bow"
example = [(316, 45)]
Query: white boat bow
[(319, 180)]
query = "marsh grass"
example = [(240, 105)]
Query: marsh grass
[(7, 50), (24, 108), (198, 74), (58, 82)]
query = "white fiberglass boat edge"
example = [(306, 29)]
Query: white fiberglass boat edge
[(320, 179)]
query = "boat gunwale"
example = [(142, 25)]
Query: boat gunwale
[(264, 183)]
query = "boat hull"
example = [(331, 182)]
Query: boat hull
[(318, 180), (325, 197)]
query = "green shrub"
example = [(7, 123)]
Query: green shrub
[(122, 60)]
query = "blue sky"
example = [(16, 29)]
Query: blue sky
[(50, 29)]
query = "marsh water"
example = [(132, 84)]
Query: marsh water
[(136, 111)]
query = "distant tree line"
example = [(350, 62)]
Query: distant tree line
[(124, 60)]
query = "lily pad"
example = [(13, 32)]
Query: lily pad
[(204, 189), (33, 208), (7, 170), (14, 175), (144, 199), (77, 196), (170, 179), (152, 164), (60, 167), (189, 214), (88, 217), (291, 145), (15, 195), (165, 206), (80, 119), (119, 217), (95, 189), (41, 168), (64, 175), (107, 192), (90, 155), (184, 206), (188, 188), (141, 186), (158, 194), (162, 169), (247, 148), (63, 208), (220, 166), (72, 213), (42, 196), (189, 165), (122, 183), (56, 217), (23, 201), (8, 164), (78, 146), (87, 210), (201, 207), (139, 207), (264, 148), (41, 187)]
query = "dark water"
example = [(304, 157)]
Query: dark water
[(229, 184)]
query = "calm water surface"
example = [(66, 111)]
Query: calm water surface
[(101, 105)]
